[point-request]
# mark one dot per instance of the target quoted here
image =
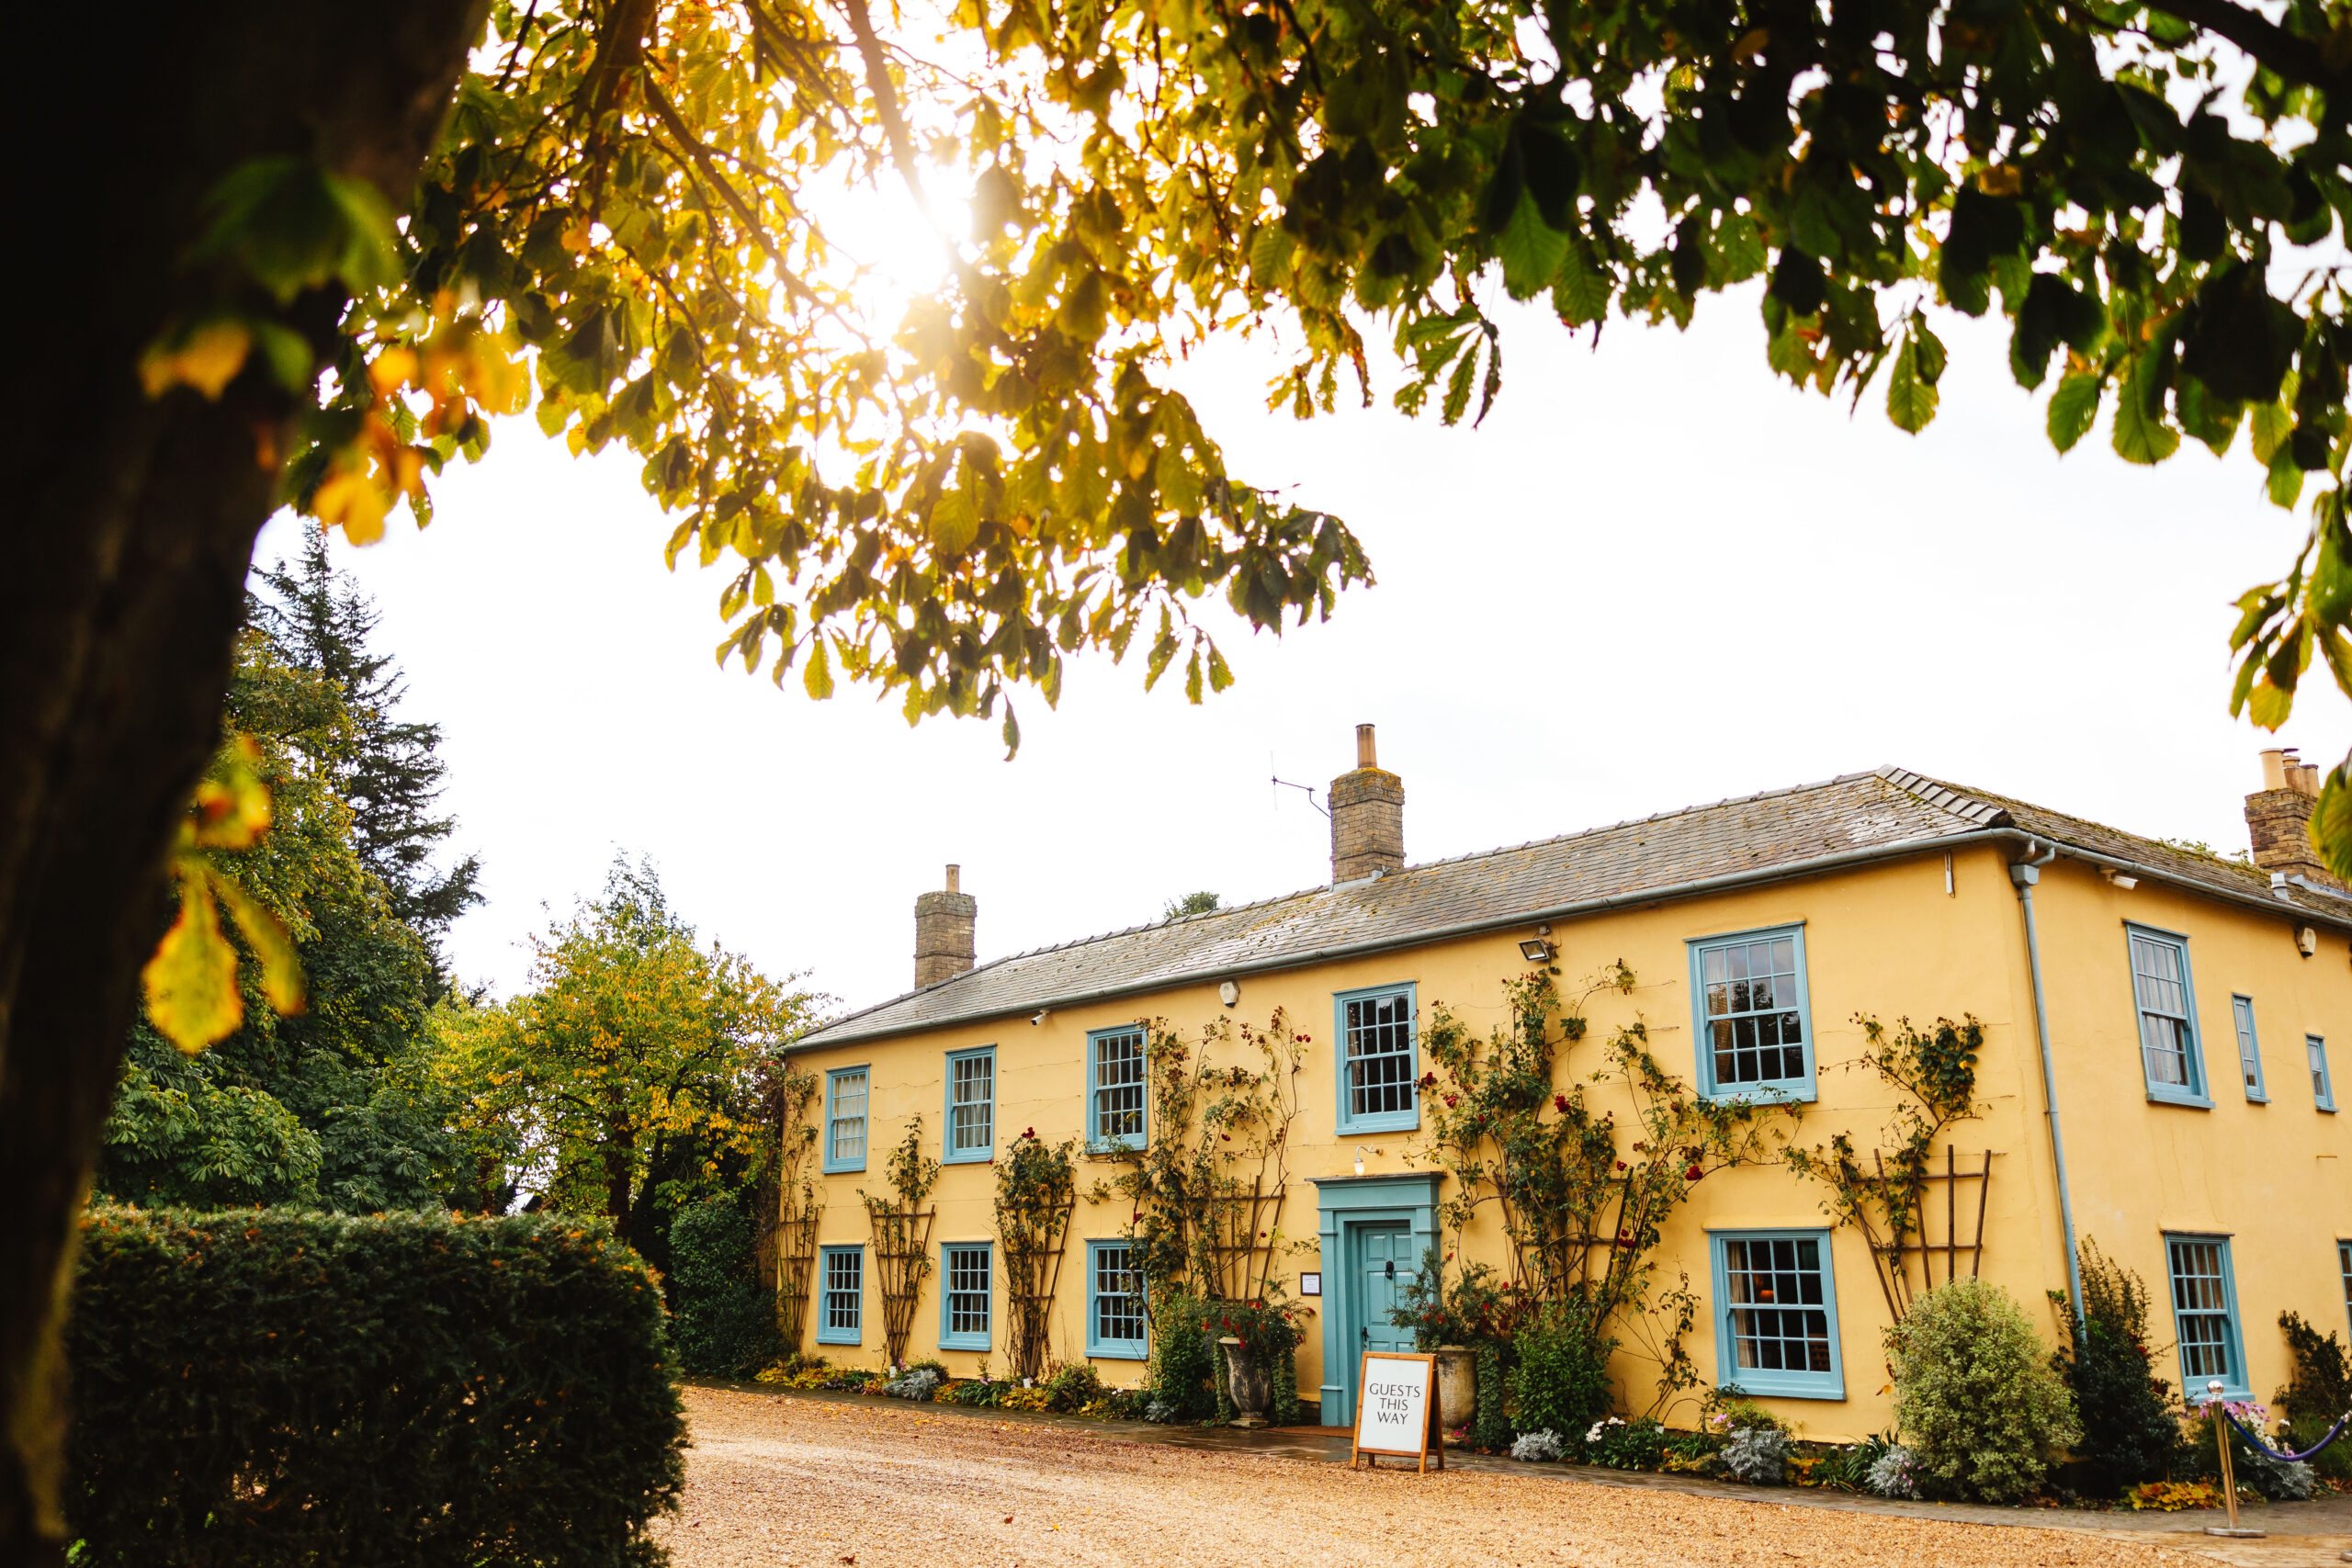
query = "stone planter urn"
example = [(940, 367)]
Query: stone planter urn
[(1251, 1385), (1457, 1387)]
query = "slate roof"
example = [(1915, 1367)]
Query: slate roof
[(1781, 833)]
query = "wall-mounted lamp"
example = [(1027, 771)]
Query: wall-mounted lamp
[(1039, 1017), (1229, 993), (1535, 950), (2117, 879), (2307, 940), (1360, 1152)]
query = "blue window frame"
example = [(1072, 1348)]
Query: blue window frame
[(2165, 999), (1115, 1321), (2323, 1087), (1776, 1313), (2249, 1048), (1378, 1058), (1114, 1088), (967, 1288), (1750, 1015), (840, 1294), (2205, 1314), (847, 1090), (970, 1129), (2344, 1267)]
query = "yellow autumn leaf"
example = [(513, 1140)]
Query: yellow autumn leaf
[(353, 498), (191, 981), (231, 810), (207, 360), (391, 369), (281, 966)]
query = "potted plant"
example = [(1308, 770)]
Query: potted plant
[(1256, 1337)]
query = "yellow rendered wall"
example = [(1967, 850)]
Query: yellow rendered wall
[(1887, 940), (2269, 1176)]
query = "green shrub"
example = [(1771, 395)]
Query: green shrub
[(1184, 1359), (725, 1323), (1490, 1427), (2131, 1433), (1561, 1383), (1974, 1393), (1073, 1386), (272, 1388), (2318, 1392), (1624, 1445)]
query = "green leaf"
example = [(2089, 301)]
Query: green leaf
[(2270, 425), (2285, 482), (2142, 435), (1580, 293), (1910, 401), (818, 679), (1530, 250), (2074, 409)]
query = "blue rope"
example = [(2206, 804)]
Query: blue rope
[(2257, 1443)]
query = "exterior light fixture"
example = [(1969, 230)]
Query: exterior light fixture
[(1360, 1152), (2307, 940), (1229, 993), (1535, 950)]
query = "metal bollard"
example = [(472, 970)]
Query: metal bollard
[(2229, 1477)]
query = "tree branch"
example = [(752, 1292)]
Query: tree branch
[(2296, 59)]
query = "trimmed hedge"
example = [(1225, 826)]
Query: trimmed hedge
[(725, 1323), (264, 1387)]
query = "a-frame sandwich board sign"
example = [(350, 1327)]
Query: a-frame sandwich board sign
[(1397, 1410)]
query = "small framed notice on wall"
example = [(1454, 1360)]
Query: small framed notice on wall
[(1396, 1409), (1310, 1284)]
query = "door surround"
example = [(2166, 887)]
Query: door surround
[(1342, 1201)]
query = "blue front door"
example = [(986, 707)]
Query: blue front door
[(1384, 1265)]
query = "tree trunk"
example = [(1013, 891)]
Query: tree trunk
[(620, 1161), (123, 565)]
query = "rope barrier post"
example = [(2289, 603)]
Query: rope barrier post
[(2217, 1407)]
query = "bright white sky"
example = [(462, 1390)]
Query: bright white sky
[(1657, 576)]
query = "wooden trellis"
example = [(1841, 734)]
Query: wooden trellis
[(1912, 1237), (796, 1257), (1031, 1277), (902, 1263), (1238, 1242)]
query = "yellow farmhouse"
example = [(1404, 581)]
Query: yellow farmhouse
[(2155, 1073)]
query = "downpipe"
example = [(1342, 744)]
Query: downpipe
[(2025, 873)]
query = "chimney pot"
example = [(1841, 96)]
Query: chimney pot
[(2279, 816), (944, 922), (1367, 817)]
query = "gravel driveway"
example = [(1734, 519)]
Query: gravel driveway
[(777, 1482)]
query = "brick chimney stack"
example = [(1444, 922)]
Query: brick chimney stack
[(2279, 816), (943, 923), (1367, 817)]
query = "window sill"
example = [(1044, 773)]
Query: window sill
[(1831, 1387), (2185, 1099), (857, 1170), (963, 1341), (977, 1156), (1136, 1352), (837, 1337), (1116, 1147), (1763, 1094), (1394, 1122)]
